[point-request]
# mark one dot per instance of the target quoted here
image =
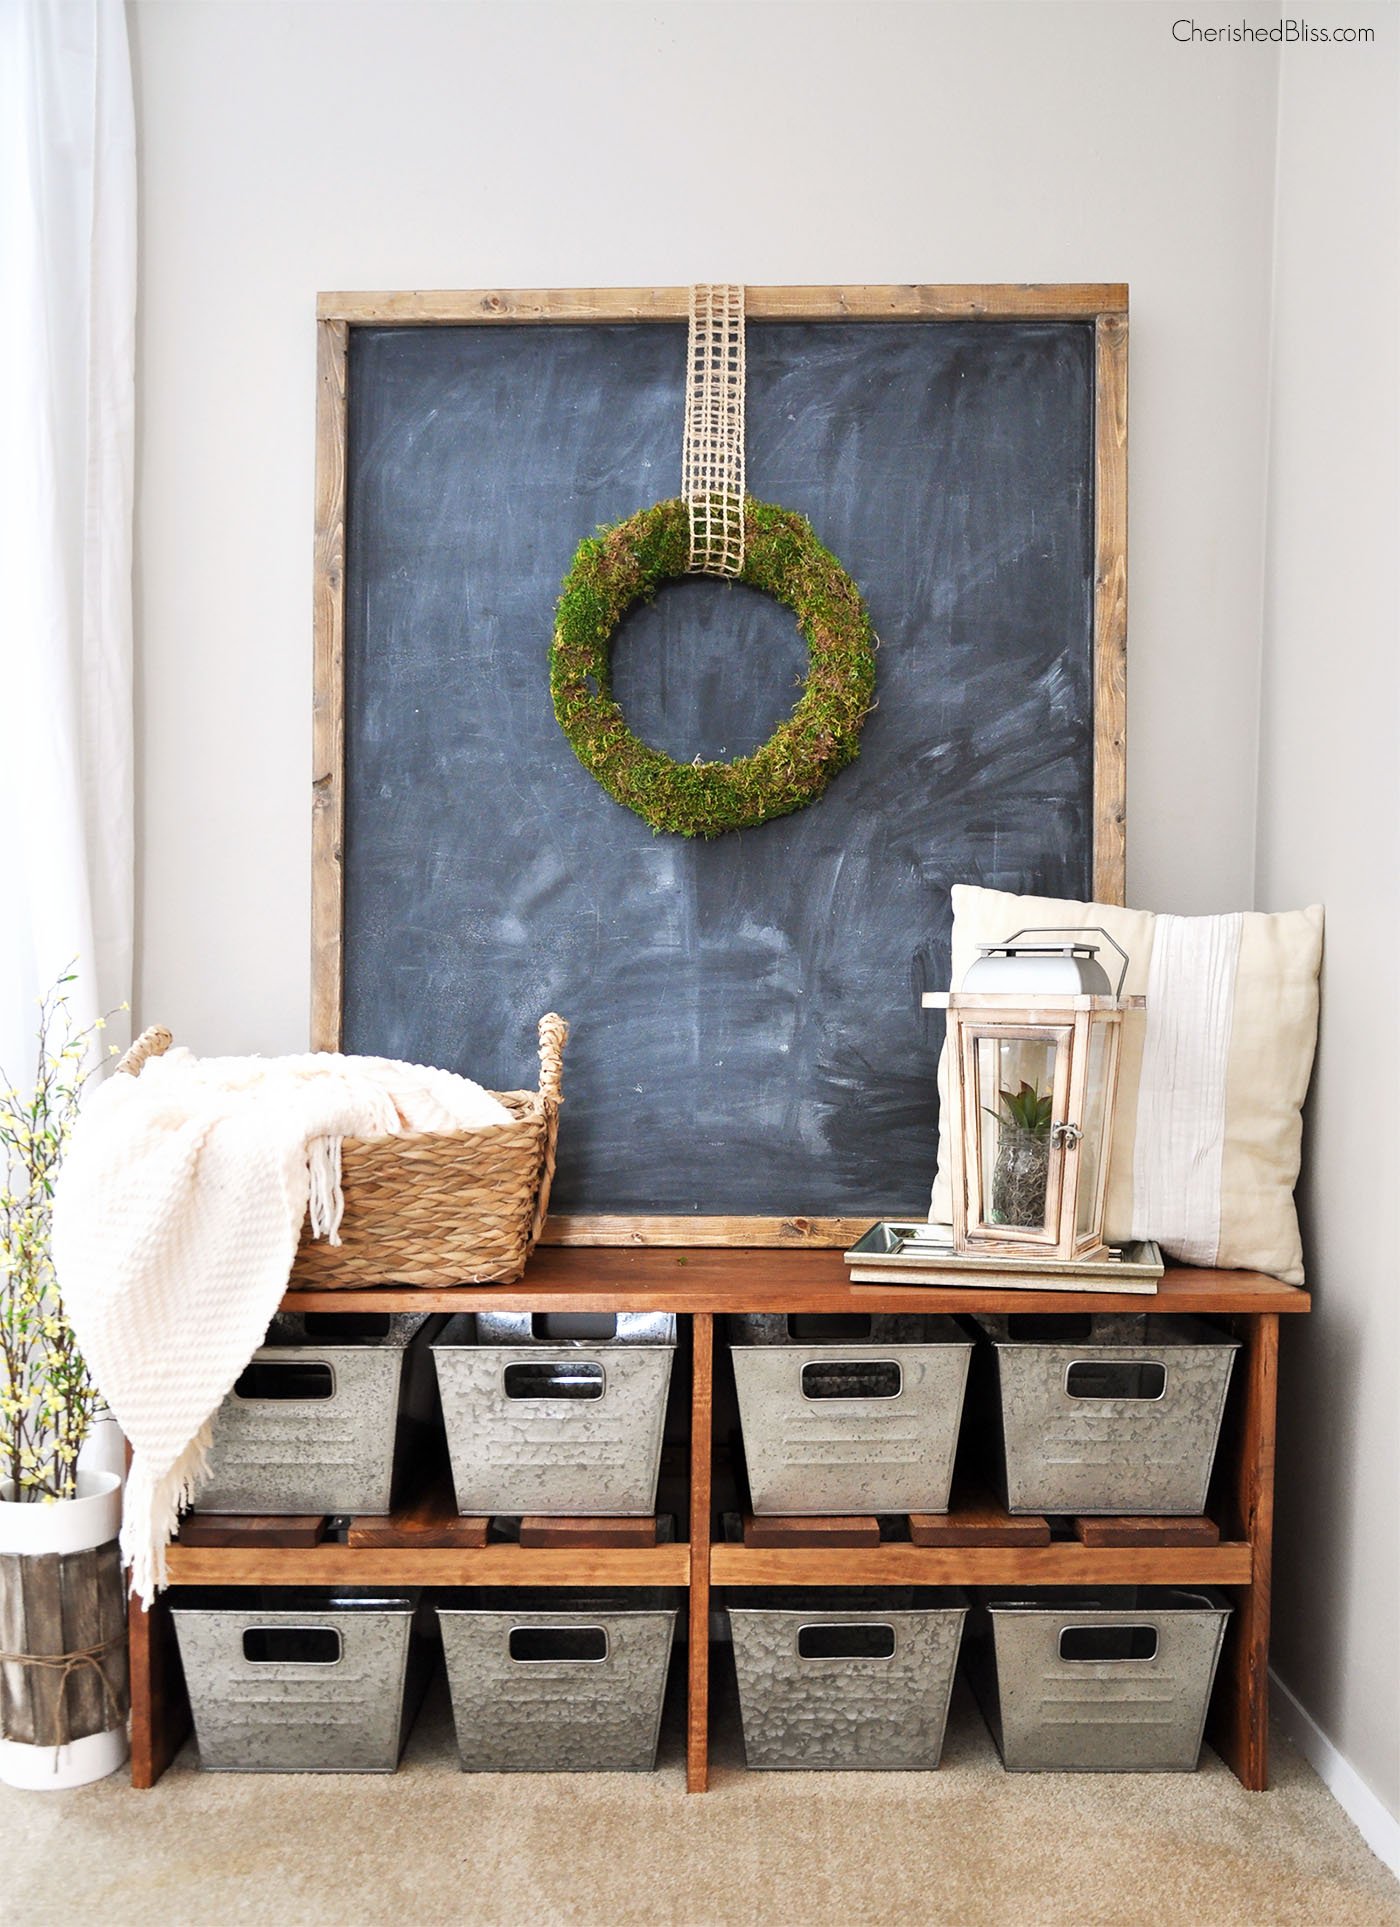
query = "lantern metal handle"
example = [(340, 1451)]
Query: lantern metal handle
[(1070, 930)]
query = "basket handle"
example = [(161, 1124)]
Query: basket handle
[(554, 1034), (155, 1041)]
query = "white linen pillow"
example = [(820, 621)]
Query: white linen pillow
[(1208, 1131)]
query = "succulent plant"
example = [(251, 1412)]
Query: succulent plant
[(1021, 1172), (1025, 1110)]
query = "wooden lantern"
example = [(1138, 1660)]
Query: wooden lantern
[(1033, 1043)]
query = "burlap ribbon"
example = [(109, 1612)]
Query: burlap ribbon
[(712, 458)]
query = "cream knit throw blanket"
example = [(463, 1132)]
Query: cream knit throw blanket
[(181, 1203)]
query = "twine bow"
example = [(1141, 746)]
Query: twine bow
[(66, 1665)]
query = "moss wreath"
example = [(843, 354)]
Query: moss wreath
[(628, 563)]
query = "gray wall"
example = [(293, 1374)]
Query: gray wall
[(1329, 832), (390, 144)]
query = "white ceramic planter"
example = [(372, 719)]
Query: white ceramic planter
[(104, 1448), (53, 1769), (67, 1525)]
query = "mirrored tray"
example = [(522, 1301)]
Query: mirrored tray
[(908, 1251)]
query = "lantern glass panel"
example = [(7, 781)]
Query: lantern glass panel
[(1095, 1117), (1016, 1079)]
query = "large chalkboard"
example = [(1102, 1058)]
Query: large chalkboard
[(747, 1036)]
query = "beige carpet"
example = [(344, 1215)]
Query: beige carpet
[(968, 1844)]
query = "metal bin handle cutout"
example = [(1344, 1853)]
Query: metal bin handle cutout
[(1103, 1645), (298, 1379), (291, 1646), (1127, 1378), (556, 1645), (852, 1378), (873, 1641), (544, 1378)]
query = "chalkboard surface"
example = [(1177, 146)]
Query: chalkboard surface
[(747, 1037)]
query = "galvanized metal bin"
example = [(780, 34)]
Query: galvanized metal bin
[(842, 1679), (317, 1417), (557, 1681), (298, 1681), (1114, 1681), (1107, 1413), (556, 1413), (849, 1413)]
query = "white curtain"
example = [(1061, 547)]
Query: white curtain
[(67, 366)]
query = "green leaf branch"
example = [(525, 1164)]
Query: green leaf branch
[(47, 1399)]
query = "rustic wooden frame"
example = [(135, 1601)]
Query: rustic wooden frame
[(1103, 304)]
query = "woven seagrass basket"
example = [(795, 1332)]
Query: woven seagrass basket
[(435, 1207)]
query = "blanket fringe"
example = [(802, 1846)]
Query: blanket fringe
[(326, 1205), (151, 1512)]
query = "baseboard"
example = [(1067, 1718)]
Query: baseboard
[(1377, 1825)]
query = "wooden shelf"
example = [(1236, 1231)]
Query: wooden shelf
[(703, 1282), (703, 1279), (502, 1565), (1064, 1564)]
